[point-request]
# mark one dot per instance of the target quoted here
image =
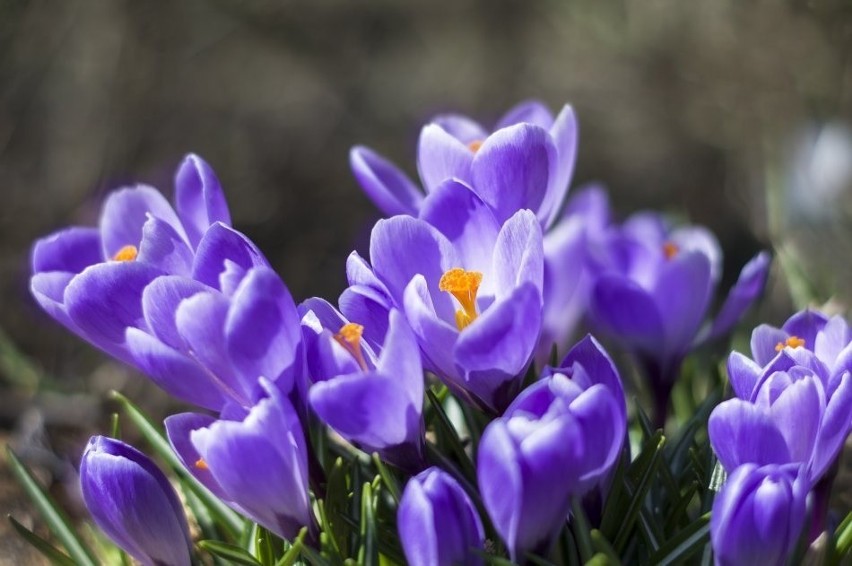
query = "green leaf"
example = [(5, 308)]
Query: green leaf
[(228, 519), (263, 546), (684, 544), (387, 478), (602, 546), (843, 537), (644, 469), (229, 552), (718, 477), (452, 435), (368, 553), (336, 504), (295, 551), (601, 559), (581, 530), (49, 551), (115, 429), (59, 524)]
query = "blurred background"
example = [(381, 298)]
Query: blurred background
[(735, 114)]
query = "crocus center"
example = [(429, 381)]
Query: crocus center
[(350, 338), (463, 285), (670, 249), (792, 342), (475, 145), (127, 253), (201, 464)]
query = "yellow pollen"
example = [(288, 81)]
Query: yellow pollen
[(201, 464), (350, 338), (670, 249), (475, 145), (127, 253), (792, 342), (463, 285)]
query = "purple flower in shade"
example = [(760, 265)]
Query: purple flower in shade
[(653, 289), (829, 339), (525, 163), (469, 287), (438, 525), (93, 280), (133, 503), (567, 277), (758, 516), (557, 440), (371, 398), (255, 460)]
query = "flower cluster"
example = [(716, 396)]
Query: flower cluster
[(471, 286)]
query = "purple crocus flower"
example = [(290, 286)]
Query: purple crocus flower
[(654, 287), (372, 399), (526, 162), (131, 501), (438, 524), (758, 516), (469, 287), (797, 412), (557, 440), (255, 460), (830, 340)]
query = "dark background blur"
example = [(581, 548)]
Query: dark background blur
[(711, 109)]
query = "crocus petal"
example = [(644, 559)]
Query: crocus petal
[(743, 375), (440, 156), (178, 430), (682, 293), (199, 198), (359, 272), (741, 432), (530, 112), (72, 250), (387, 186), (797, 413), (699, 239), (500, 483), (200, 320), (163, 247), (160, 301), (834, 428), (591, 203), (366, 408), (221, 243), (805, 325), (366, 307), (173, 371), (390, 253), (400, 359), (589, 354), (461, 127), (436, 337), (48, 289), (829, 343), (106, 299), (764, 342), (564, 133), (743, 294), (125, 213), (417, 527), (518, 255), (603, 419), (624, 309), (262, 330), (499, 344), (467, 222), (513, 168)]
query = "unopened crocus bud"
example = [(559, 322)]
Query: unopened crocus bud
[(759, 515), (133, 503), (438, 525)]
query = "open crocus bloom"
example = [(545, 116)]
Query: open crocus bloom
[(654, 288), (526, 162), (469, 287), (374, 401)]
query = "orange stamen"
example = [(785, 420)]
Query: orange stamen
[(127, 253), (670, 249), (463, 285), (475, 145), (201, 464), (792, 342), (350, 338)]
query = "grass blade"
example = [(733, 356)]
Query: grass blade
[(53, 515), (232, 553), (684, 544), (49, 551)]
